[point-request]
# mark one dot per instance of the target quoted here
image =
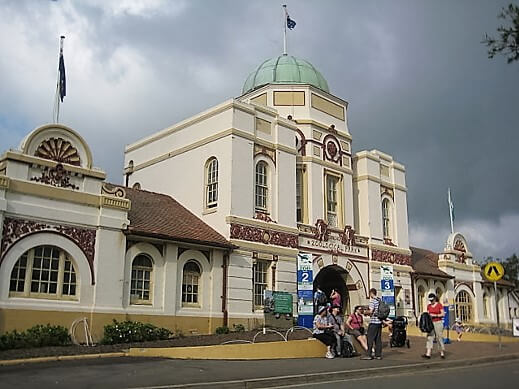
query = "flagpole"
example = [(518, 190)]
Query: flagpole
[(57, 100), (284, 29), (451, 206)]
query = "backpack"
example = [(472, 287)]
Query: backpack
[(347, 350), (426, 323), (321, 299), (383, 310)]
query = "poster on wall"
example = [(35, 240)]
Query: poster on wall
[(305, 287), (387, 287)]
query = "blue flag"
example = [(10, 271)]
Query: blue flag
[(290, 23), (62, 79)]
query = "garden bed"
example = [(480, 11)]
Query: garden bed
[(196, 340)]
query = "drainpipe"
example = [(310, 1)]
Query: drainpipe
[(413, 297), (225, 267)]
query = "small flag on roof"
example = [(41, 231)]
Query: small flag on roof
[(290, 22)]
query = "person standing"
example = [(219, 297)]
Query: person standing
[(336, 299), (375, 327), (435, 310), (320, 299), (458, 327)]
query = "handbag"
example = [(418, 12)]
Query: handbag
[(362, 330)]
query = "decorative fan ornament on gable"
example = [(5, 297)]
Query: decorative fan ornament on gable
[(59, 150)]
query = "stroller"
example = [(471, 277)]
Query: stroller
[(399, 334)]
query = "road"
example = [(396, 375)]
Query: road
[(148, 373), (499, 375)]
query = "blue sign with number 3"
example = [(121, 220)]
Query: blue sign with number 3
[(386, 285)]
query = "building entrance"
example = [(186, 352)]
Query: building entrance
[(334, 277)]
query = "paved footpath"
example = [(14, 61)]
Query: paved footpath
[(143, 372)]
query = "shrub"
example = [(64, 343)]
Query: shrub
[(133, 331), (37, 336), (222, 330), (238, 328)]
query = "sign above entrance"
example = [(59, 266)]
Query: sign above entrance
[(334, 245), (493, 271)]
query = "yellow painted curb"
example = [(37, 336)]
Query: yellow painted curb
[(467, 336), (308, 348), (10, 362)]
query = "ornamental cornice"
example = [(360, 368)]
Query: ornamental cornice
[(263, 235), (17, 229), (38, 161), (260, 223), (391, 257)]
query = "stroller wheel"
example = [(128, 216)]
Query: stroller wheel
[(408, 343)]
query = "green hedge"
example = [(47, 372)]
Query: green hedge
[(37, 336), (133, 331)]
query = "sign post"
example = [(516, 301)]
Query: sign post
[(387, 287), (494, 271), (305, 290)]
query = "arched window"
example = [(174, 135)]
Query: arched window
[(211, 186), (439, 293), (422, 306), (44, 272), (464, 306), (261, 187), (191, 283), (140, 291), (386, 218), (486, 306)]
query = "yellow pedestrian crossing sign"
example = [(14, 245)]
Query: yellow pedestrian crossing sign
[(493, 271)]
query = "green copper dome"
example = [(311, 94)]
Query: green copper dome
[(285, 69)]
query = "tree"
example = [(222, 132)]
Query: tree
[(507, 43), (511, 267)]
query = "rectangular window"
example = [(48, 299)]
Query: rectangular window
[(259, 282), (332, 205), (299, 195)]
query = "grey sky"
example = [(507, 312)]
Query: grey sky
[(418, 81)]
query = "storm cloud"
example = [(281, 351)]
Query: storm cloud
[(417, 78)]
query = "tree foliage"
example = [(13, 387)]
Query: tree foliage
[(507, 43), (511, 267)]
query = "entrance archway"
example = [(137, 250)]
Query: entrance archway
[(334, 277)]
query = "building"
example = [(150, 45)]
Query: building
[(261, 178), (74, 246)]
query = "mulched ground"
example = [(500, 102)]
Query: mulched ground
[(197, 340)]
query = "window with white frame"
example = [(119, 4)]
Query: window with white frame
[(464, 306), (332, 200), (259, 282), (141, 282), (211, 187), (44, 272), (191, 283), (261, 187), (386, 218)]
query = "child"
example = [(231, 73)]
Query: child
[(458, 327)]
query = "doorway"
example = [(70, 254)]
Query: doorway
[(334, 277)]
